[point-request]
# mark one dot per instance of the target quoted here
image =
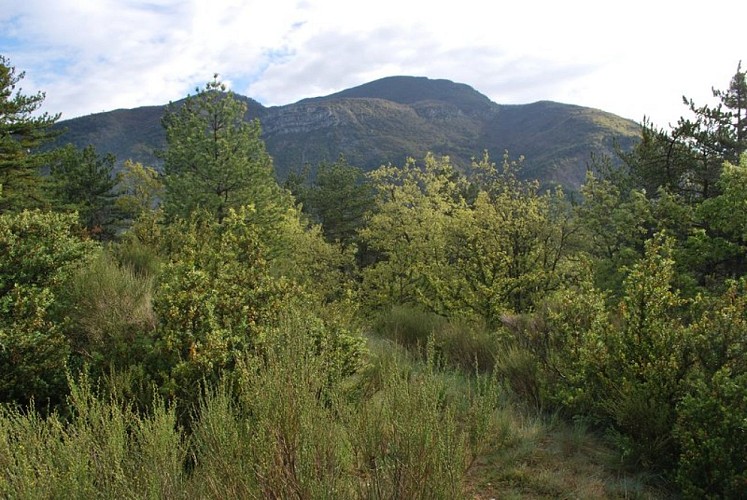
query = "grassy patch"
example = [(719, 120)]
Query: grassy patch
[(550, 458)]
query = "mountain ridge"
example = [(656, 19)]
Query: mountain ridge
[(388, 120)]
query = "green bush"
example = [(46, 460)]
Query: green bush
[(711, 428), (38, 253), (468, 346), (519, 370), (566, 338), (110, 319), (460, 343), (294, 395), (622, 369), (711, 432), (39, 249), (33, 351), (221, 454), (212, 298), (285, 424), (110, 324), (137, 256)]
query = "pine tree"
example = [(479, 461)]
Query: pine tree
[(215, 159), (338, 198), (734, 99), (83, 181), (21, 133), (687, 160)]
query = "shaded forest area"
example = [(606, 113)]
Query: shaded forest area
[(413, 332)]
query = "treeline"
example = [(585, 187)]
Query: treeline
[(207, 298)]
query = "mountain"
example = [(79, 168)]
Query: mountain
[(388, 120)]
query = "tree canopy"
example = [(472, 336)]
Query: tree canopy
[(215, 158)]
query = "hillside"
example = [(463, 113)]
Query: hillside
[(388, 120)]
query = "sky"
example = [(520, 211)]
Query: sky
[(635, 58)]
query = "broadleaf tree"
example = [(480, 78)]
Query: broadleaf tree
[(408, 231), (139, 188)]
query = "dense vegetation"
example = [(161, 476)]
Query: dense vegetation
[(205, 332)]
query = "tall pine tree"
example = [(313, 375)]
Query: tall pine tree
[(215, 159), (21, 133)]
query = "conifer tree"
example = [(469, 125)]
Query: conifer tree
[(83, 181), (338, 198), (215, 159), (21, 133), (734, 99), (687, 160)]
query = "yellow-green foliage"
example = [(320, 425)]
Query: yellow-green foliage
[(106, 450), (212, 297), (615, 224), (221, 294), (464, 249), (564, 339), (38, 253), (648, 358), (460, 344), (139, 189), (710, 430), (631, 369), (409, 229), (109, 318)]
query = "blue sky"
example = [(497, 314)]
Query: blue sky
[(631, 58)]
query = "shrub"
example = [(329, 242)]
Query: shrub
[(103, 450), (137, 256), (520, 372), (623, 370), (33, 351), (38, 252), (711, 432), (39, 249), (565, 336), (648, 359), (110, 324), (110, 320), (211, 299), (459, 343), (468, 346), (419, 434), (278, 432)]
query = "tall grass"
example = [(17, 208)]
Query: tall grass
[(106, 450), (279, 428), (460, 344), (108, 308)]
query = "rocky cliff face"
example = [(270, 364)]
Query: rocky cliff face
[(298, 119)]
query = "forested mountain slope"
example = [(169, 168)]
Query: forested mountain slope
[(388, 120)]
